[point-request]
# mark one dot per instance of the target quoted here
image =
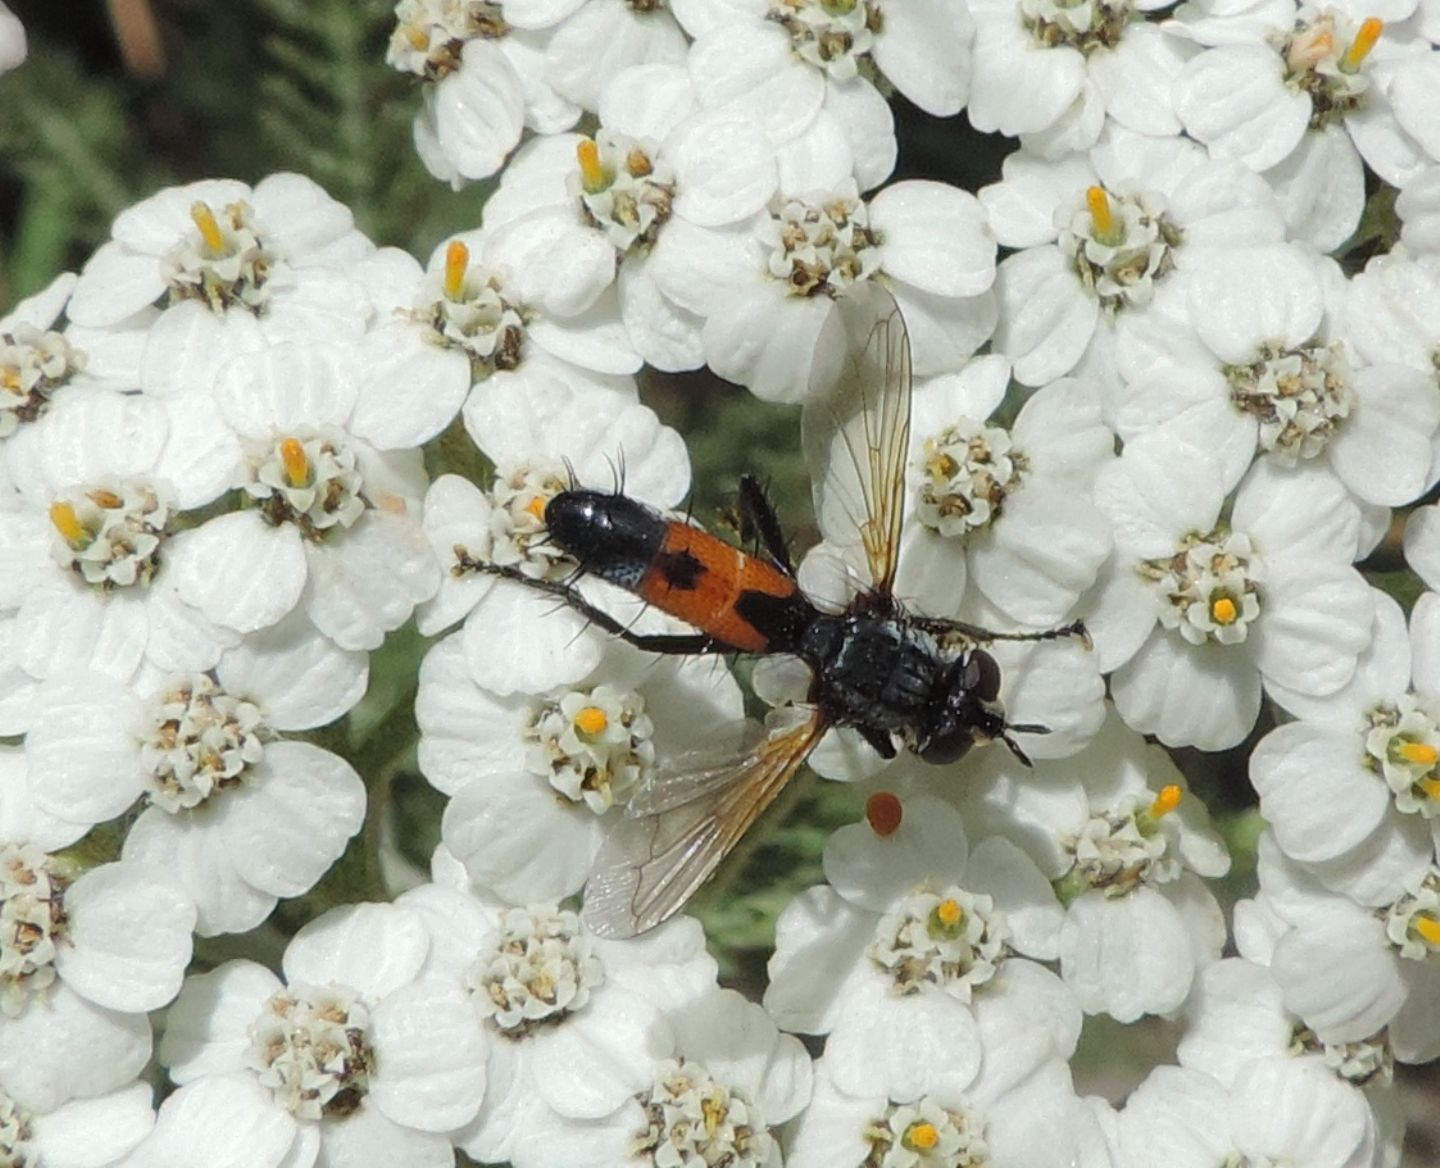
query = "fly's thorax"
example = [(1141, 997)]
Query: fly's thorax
[(876, 672)]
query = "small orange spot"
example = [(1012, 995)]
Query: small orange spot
[(1363, 43), (536, 507), (457, 261), (103, 498), (1419, 753), (1428, 928), (593, 176), (883, 812), (419, 39), (1166, 802), (591, 720), (949, 912), (67, 523), (297, 465), (209, 227), (921, 1137), (1100, 214), (1223, 610)]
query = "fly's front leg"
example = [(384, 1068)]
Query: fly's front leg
[(569, 595), (953, 633)]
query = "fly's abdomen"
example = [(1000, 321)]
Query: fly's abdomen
[(740, 601)]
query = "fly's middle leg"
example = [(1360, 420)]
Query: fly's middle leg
[(951, 631)]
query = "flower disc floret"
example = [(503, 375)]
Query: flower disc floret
[(1403, 746), (696, 1121), (1413, 921), (34, 363), (542, 969), (830, 34), (311, 1049), (17, 1149), (430, 34), (518, 537), (223, 263), (1120, 245), (1208, 587), (202, 740), (926, 1134), (951, 940), (624, 188), (313, 483), (966, 470), (1096, 24), (111, 535), (1365, 1062), (820, 249), (1118, 851), (1300, 397), (472, 314), (1322, 61), (592, 745), (32, 921)]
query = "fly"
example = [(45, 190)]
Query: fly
[(889, 673)]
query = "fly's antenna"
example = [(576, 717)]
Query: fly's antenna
[(1015, 747)]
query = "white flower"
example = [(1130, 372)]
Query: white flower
[(532, 775), (574, 214), (89, 1133), (349, 1054), (907, 958), (536, 433), (1350, 966), (572, 1022), (1010, 1116), (239, 816), (1007, 508), (1246, 357), (712, 1096), (1359, 774), (1104, 234), (1277, 1111), (83, 957), (484, 83), (232, 268), (1303, 83), (1198, 610), (333, 524), (1055, 73), (87, 544), (1117, 832), (767, 286)]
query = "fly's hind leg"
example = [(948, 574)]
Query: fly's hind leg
[(949, 632), (569, 595), (759, 522)]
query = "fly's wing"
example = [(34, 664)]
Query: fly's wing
[(677, 830), (856, 429)]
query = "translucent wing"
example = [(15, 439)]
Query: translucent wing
[(652, 862), (856, 429)]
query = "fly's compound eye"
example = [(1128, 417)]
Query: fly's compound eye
[(982, 676)]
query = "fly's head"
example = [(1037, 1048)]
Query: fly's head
[(966, 710)]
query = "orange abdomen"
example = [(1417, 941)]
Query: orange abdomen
[(717, 588)]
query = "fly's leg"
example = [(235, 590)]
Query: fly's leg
[(759, 522), (949, 632), (568, 594)]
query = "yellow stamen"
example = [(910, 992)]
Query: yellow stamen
[(536, 507), (419, 39), (949, 912), (638, 163), (103, 498), (1418, 753), (1428, 928), (1166, 801), (591, 720), (921, 1137), (68, 524), (1106, 228), (1431, 787), (1223, 610), (209, 227), (593, 175), (1360, 47), (10, 377), (297, 465), (457, 261)]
